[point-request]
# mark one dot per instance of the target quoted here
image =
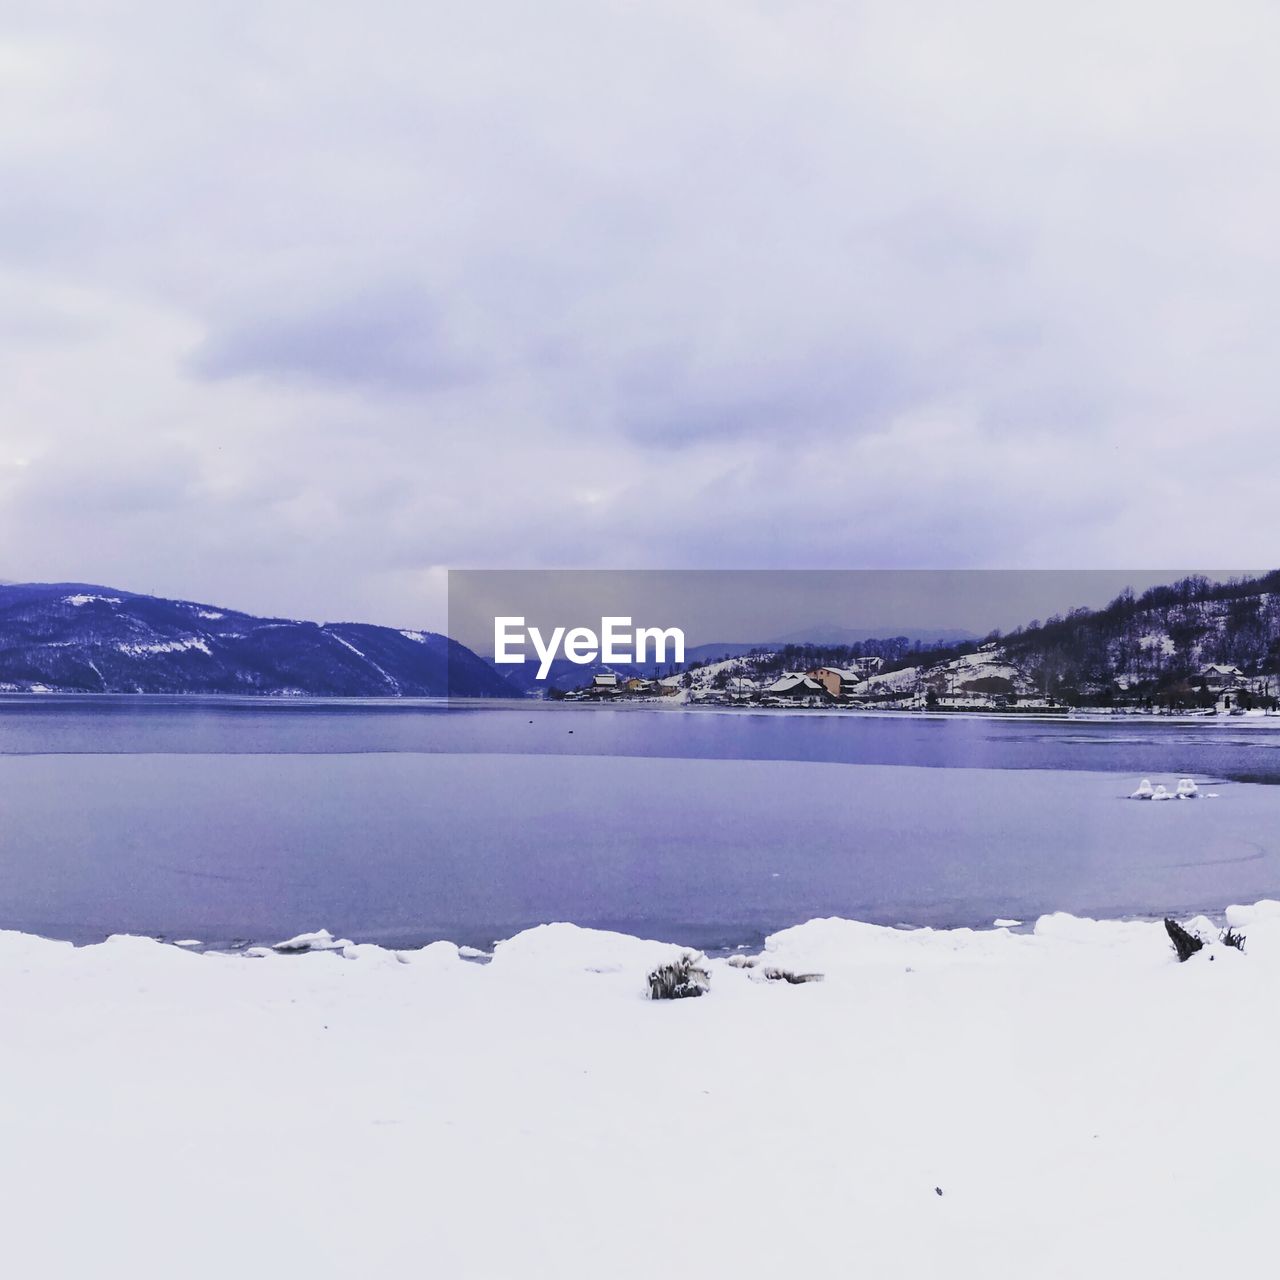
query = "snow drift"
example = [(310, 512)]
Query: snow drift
[(1065, 1101)]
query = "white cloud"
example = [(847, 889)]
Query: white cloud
[(301, 304)]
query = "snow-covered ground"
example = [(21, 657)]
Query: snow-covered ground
[(1064, 1102)]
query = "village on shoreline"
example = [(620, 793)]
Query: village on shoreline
[(1194, 647), (970, 684)]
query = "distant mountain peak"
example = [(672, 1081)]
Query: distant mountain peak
[(87, 638)]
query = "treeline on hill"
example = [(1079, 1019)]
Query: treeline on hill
[(1147, 648), (768, 664), (805, 657), (1143, 649)]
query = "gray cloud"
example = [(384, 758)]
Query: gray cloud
[(389, 338), (300, 306)]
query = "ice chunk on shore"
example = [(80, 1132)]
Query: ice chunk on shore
[(1266, 909), (321, 940), (567, 948)]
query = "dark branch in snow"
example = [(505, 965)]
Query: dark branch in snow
[(1184, 943)]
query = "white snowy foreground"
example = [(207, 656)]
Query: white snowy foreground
[(1086, 1106)]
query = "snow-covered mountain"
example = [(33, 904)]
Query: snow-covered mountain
[(72, 637)]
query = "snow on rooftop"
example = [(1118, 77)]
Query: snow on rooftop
[(795, 680)]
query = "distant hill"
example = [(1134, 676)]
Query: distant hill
[(1156, 647), (829, 635), (75, 637)]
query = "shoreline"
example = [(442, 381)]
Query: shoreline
[(1261, 719), (256, 947)]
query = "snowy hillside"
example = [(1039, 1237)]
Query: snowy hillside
[(987, 671), (72, 637), (1181, 644)]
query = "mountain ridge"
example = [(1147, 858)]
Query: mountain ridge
[(77, 637)]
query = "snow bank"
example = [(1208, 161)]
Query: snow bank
[(555, 950), (1268, 909), (1073, 1092)]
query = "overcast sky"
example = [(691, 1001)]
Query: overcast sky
[(301, 304)]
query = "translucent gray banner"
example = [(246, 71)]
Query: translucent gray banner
[(1008, 641)]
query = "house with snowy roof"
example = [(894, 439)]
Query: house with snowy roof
[(1219, 675), (796, 687)]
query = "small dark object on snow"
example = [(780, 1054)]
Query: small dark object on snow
[(679, 979), (1184, 943), (773, 974), (1230, 938), (938, 1190)]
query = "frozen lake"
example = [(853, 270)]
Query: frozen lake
[(403, 823)]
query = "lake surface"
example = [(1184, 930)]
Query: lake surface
[(230, 820)]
